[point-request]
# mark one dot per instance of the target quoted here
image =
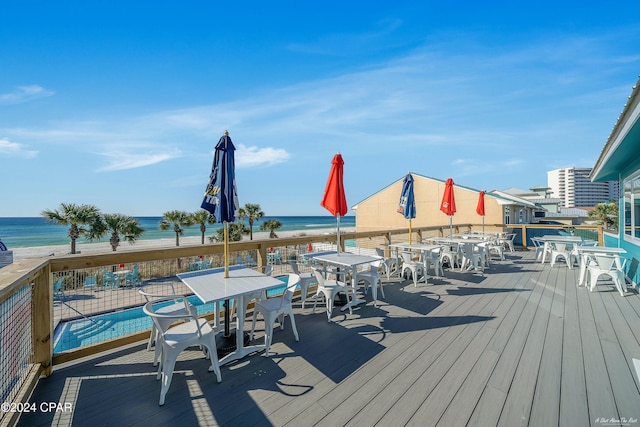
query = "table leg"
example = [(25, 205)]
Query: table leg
[(240, 351), (583, 268), (354, 297)]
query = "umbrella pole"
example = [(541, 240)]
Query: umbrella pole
[(482, 224), (226, 249), (227, 309), (338, 238), (410, 232), (451, 227)]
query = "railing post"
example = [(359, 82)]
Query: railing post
[(600, 235), (262, 255), (42, 319), (524, 236)]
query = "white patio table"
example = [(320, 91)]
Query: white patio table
[(347, 259), (548, 239), (419, 247), (584, 252), (212, 287)]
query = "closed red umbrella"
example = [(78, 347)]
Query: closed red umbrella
[(334, 199), (448, 205), (480, 207)]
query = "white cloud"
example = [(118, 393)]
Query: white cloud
[(251, 156), (24, 94), (121, 160), (14, 149)]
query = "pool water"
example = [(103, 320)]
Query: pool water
[(103, 327)]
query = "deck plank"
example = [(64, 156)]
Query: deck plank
[(573, 402)]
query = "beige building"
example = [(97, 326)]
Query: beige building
[(379, 211)]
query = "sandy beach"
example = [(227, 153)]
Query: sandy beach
[(102, 247)]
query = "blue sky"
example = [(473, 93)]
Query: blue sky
[(119, 104)]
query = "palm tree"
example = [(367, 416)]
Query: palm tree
[(203, 217), (122, 225), (271, 225), (179, 219), (605, 213), (252, 212), (76, 217), (236, 230)]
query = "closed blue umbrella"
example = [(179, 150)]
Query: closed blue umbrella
[(221, 197), (407, 206), (221, 200)]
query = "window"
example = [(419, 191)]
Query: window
[(631, 188), (636, 206), (627, 208), (507, 215)]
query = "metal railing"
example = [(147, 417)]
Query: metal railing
[(43, 299)]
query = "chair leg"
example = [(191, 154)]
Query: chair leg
[(268, 334), (618, 279), (213, 356), (304, 288), (253, 324), (168, 364), (593, 280), (293, 325), (152, 339)]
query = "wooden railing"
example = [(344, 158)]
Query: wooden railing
[(18, 378)]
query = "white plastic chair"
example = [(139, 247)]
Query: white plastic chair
[(329, 289), (371, 278), (273, 309), (493, 246), (389, 264), (306, 279), (540, 247), (450, 255), (173, 340), (607, 265), (560, 249), (414, 267), (433, 259), (508, 241), (483, 249), (472, 258), (179, 305)]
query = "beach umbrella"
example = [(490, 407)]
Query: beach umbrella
[(221, 200), (334, 199), (407, 206), (448, 205), (480, 207)]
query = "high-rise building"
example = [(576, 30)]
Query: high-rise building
[(574, 187)]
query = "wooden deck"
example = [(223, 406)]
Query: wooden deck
[(521, 345)]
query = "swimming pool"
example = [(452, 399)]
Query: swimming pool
[(106, 326)]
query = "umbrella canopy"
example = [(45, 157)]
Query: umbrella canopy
[(407, 206), (220, 197), (480, 207), (334, 199), (448, 205)]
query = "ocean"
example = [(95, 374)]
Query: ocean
[(36, 231)]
